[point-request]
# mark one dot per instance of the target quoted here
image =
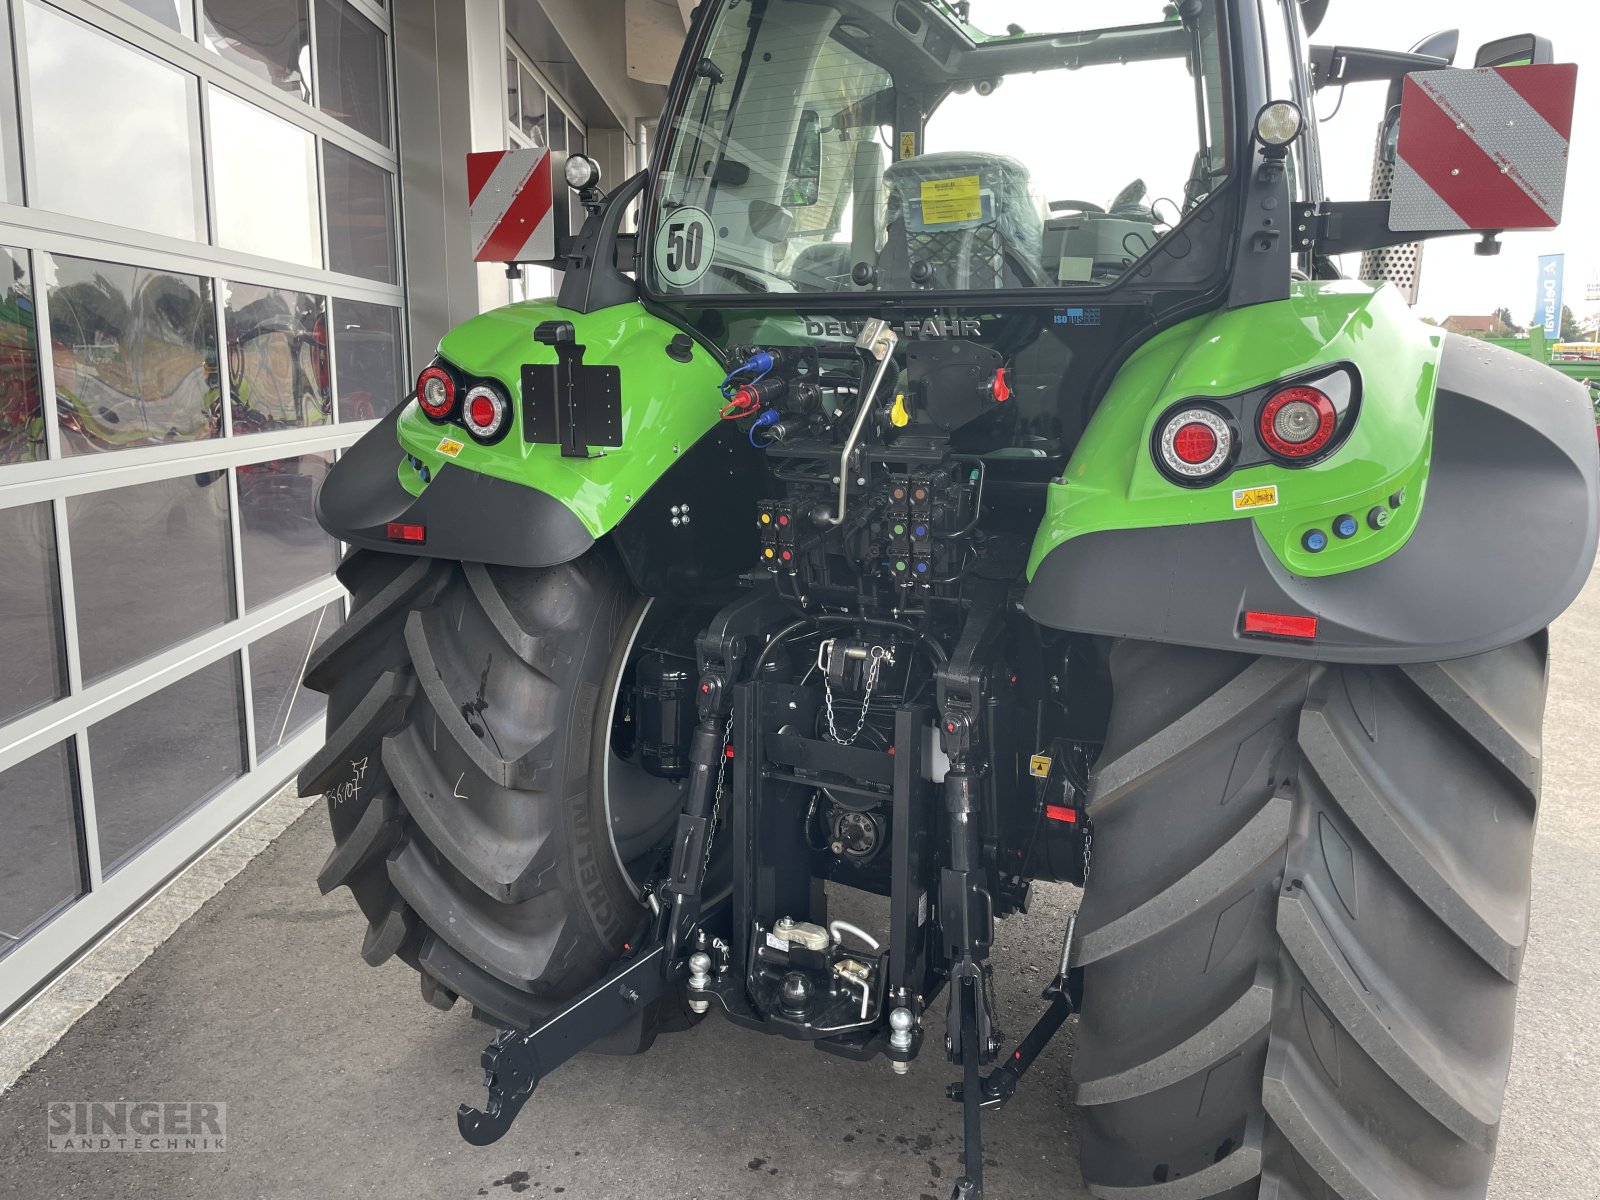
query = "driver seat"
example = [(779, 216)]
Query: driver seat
[(970, 217)]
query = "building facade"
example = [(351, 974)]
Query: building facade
[(230, 232)]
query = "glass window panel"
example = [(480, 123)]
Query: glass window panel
[(150, 567), (366, 351), (21, 403), (533, 109), (40, 860), (277, 663), (116, 133), (352, 69), (270, 39), (558, 129), (174, 14), (33, 668), (277, 358), (161, 758), (513, 111), (360, 215), (135, 354), (283, 546), (265, 173), (10, 141)]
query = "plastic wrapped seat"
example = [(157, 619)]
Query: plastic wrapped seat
[(972, 218)]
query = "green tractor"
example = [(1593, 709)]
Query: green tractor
[(959, 462)]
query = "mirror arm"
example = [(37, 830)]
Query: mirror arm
[(1336, 66)]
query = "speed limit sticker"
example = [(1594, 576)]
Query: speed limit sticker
[(684, 246)]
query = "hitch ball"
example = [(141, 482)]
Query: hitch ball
[(900, 1024), (699, 982), (794, 994)]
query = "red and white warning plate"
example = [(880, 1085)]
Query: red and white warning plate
[(512, 205), (1483, 149)]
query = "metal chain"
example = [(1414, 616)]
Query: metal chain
[(1088, 849), (716, 796), (874, 664)]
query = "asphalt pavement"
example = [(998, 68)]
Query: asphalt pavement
[(340, 1082)]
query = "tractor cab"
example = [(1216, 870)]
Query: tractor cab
[(873, 148)]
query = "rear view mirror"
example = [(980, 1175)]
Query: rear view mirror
[(805, 165), (1483, 150), (1523, 50)]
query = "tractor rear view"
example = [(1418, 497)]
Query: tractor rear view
[(975, 471)]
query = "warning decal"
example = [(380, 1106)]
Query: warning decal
[(1484, 149), (1256, 497), (945, 201)]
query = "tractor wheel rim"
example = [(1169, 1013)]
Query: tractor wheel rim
[(618, 776)]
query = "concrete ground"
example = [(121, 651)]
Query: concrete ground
[(339, 1082)]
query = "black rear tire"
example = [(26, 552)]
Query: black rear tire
[(1303, 924), (469, 715)]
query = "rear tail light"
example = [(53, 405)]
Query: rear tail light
[(1298, 422), (436, 393), (485, 413), (1195, 445)]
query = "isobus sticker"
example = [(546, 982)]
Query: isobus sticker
[(1256, 497), (684, 245)]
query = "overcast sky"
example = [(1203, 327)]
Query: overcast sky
[(1454, 280)]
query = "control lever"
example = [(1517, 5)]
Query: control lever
[(878, 341)]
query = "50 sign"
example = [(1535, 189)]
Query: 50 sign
[(684, 247)]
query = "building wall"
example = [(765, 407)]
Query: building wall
[(201, 301), (230, 231)]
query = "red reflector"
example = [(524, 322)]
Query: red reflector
[(1057, 812), (407, 533), (1261, 624), (728, 753)]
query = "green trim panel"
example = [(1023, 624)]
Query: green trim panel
[(1112, 481), (667, 406)]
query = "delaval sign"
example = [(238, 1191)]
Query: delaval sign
[(1548, 312)]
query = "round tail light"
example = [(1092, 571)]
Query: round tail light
[(436, 393), (484, 413), (1196, 444), (1298, 422)]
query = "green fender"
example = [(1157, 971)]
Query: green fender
[(1112, 481), (1471, 474), (667, 406), (516, 502)]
